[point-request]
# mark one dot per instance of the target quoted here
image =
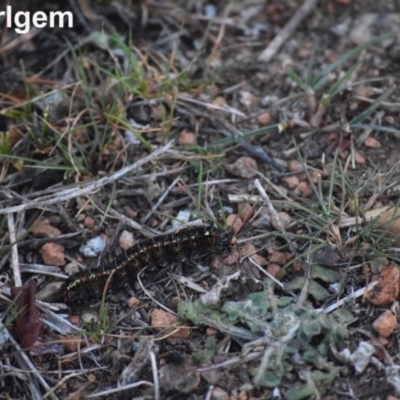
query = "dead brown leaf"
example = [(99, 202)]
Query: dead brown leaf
[(28, 324), (372, 142)]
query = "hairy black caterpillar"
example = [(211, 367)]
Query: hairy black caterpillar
[(159, 251)]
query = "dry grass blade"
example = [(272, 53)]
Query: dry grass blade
[(25, 363), (287, 31), (14, 250), (90, 188)]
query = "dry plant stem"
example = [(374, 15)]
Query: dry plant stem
[(273, 279), (264, 363), (133, 224), (209, 392), (171, 333), (55, 321), (390, 107), (19, 40), (229, 329), (287, 31), (187, 191), (353, 296), (78, 353), (214, 182), (62, 381), (119, 389), (161, 199), (208, 209), (240, 198), (90, 188), (153, 362), (151, 297), (274, 214), (353, 162), (377, 117), (279, 190), (25, 363), (106, 286), (305, 290), (316, 119), (233, 361), (368, 216), (226, 109), (189, 283), (42, 269), (14, 251), (221, 33), (206, 203), (280, 284), (372, 200), (32, 101), (231, 131)]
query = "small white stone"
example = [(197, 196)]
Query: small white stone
[(93, 247)]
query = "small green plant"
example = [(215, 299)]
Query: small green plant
[(319, 95), (285, 328), (206, 354), (102, 327), (5, 147)]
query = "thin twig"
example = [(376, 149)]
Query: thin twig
[(226, 109), (235, 360), (14, 250), (150, 296), (145, 231), (273, 279), (352, 296), (161, 199), (25, 362), (90, 188), (118, 389), (60, 383), (274, 215), (231, 131), (155, 374), (209, 392), (287, 31)]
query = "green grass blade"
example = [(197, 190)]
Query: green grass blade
[(297, 80), (337, 87), (371, 108), (353, 53), (394, 131)]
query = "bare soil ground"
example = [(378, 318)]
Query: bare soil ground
[(155, 117)]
